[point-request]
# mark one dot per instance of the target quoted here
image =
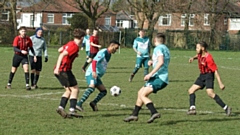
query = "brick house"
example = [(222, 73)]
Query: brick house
[(55, 15), (228, 21)]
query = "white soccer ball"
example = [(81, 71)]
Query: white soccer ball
[(115, 91)]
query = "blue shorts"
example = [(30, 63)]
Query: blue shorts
[(142, 61), (91, 80), (156, 83)]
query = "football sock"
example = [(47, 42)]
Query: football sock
[(100, 95), (85, 96), (36, 79), (85, 65), (219, 101), (145, 71), (135, 70), (32, 79), (192, 98), (151, 107), (73, 103), (136, 110), (11, 75), (63, 102), (27, 78)]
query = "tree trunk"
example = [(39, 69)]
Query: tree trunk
[(13, 15)]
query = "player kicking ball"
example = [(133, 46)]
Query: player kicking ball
[(94, 74), (156, 80), (208, 69), (63, 72)]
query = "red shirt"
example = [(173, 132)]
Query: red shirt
[(94, 49), (72, 48), (22, 43), (206, 63)]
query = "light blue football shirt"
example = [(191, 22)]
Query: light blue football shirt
[(159, 50), (102, 58), (86, 41), (142, 45)]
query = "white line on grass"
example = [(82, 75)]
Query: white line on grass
[(38, 96)]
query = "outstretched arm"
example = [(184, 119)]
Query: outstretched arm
[(193, 58)]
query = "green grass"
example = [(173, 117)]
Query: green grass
[(33, 112)]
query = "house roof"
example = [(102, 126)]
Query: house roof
[(53, 6), (122, 15)]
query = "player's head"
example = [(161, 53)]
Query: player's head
[(87, 31), (201, 47), (22, 31), (141, 33), (113, 46), (95, 32), (78, 35), (159, 38), (39, 32)]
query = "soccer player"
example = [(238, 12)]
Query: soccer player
[(94, 48), (63, 72), (86, 43), (141, 46), (21, 44), (39, 46), (94, 74), (156, 80), (208, 69)]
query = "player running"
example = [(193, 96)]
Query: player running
[(94, 74)]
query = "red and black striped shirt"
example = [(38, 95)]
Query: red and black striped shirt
[(22, 43), (206, 63)]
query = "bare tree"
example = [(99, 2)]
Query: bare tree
[(93, 9), (147, 11)]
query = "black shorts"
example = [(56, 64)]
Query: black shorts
[(36, 65), (205, 80), (17, 59), (67, 79), (92, 55)]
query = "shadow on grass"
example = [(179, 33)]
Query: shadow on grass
[(181, 80), (173, 122), (50, 88), (120, 67)]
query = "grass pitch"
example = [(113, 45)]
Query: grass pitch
[(33, 112)]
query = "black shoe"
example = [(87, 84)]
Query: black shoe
[(79, 108), (228, 111), (94, 106), (191, 112), (153, 117), (131, 118), (61, 112), (130, 78), (74, 114), (28, 88), (8, 87)]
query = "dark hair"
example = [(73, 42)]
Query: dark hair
[(161, 37), (141, 30), (22, 28), (203, 44), (78, 33), (115, 42)]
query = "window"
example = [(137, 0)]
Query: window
[(119, 23), (5, 16), (50, 18), (206, 19), (234, 23), (108, 20), (191, 19), (65, 17), (165, 20)]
